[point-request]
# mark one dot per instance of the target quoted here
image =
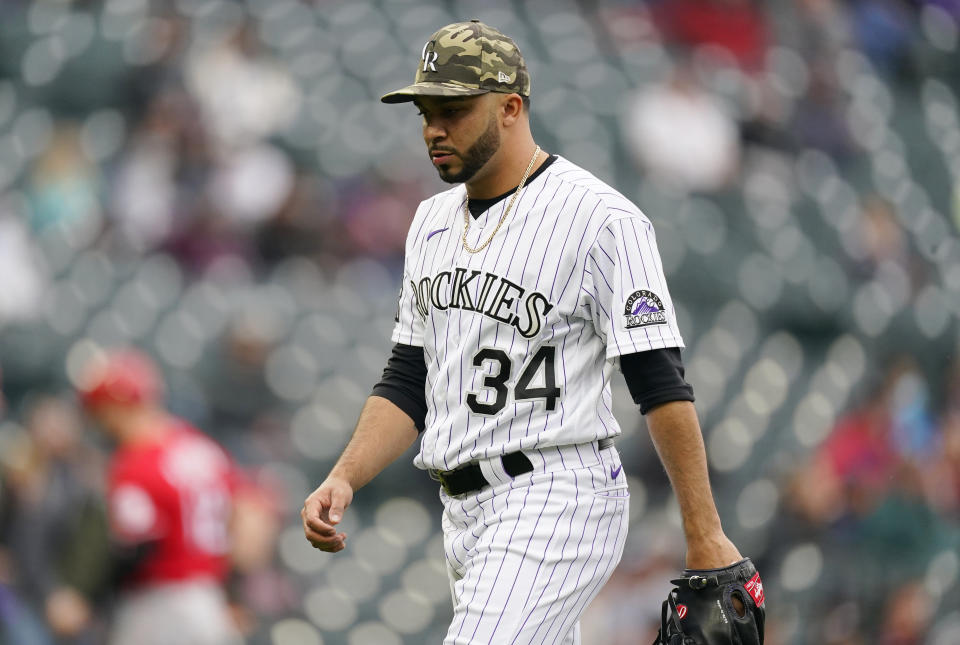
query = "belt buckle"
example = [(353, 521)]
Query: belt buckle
[(437, 476)]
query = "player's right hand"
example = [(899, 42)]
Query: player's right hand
[(323, 510)]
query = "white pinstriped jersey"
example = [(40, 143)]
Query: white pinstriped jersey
[(520, 339)]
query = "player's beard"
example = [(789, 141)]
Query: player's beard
[(476, 156)]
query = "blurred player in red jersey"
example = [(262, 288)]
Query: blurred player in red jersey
[(170, 498)]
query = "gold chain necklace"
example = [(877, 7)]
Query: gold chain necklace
[(506, 211)]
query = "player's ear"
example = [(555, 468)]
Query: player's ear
[(511, 109)]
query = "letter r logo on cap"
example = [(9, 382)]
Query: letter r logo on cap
[(429, 58)]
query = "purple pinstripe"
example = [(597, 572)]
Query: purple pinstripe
[(563, 547), (646, 278), (646, 331), (526, 549), (516, 528), (513, 338), (486, 558), (540, 618), (577, 557), (564, 190), (586, 594)]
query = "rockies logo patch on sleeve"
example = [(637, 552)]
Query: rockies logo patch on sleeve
[(644, 308)]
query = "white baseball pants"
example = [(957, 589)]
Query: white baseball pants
[(526, 556)]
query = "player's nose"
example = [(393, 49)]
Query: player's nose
[(433, 133)]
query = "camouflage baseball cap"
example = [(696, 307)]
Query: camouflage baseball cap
[(466, 59)]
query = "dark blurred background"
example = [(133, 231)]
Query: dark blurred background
[(216, 182)]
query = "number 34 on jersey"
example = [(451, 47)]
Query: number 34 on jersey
[(496, 298)]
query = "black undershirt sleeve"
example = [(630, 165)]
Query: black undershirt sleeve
[(404, 382), (655, 377)]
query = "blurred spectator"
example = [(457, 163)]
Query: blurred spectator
[(376, 216), (64, 186), (171, 495), (879, 238), (251, 185), (162, 175), (853, 469), (907, 614), (50, 486), (914, 428), (737, 26), (22, 279), (870, 483), (3, 398), (244, 94), (902, 531), (840, 623), (208, 242), (820, 117), (943, 476), (236, 385), (144, 189), (879, 251), (681, 135), (304, 225), (765, 125), (819, 28), (885, 32), (258, 588)]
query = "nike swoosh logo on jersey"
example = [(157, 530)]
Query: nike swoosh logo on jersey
[(439, 230), (615, 471)]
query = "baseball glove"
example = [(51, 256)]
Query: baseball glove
[(701, 610)]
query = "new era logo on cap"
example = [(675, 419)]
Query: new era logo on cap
[(502, 78)]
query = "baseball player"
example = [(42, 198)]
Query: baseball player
[(524, 286), (170, 493)]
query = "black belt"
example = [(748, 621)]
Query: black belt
[(469, 478)]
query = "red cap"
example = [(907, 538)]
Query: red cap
[(126, 377)]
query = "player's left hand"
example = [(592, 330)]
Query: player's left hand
[(711, 552), (716, 606)]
